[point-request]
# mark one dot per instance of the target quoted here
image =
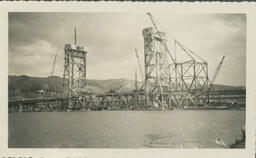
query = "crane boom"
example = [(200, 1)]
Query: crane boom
[(53, 66), (217, 70), (139, 64), (153, 22), (161, 34)]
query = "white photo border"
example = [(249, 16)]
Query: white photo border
[(248, 8)]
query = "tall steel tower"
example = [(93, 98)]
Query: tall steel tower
[(74, 77), (167, 80), (156, 66)]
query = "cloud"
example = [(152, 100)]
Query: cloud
[(34, 59), (111, 38)]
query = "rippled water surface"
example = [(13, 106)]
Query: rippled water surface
[(124, 129)]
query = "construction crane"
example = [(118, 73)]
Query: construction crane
[(153, 21), (162, 34), (217, 70), (53, 66)]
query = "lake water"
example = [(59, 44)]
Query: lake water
[(125, 129)]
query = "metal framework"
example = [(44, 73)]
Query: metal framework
[(118, 101), (167, 81), (189, 81), (156, 67), (74, 77)]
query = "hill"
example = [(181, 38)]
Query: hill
[(26, 86)]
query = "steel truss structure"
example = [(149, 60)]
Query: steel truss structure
[(156, 67), (74, 77), (168, 82), (118, 101), (189, 81), (115, 101)]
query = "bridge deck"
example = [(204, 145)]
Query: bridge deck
[(126, 100)]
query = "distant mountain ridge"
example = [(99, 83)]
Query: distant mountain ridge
[(26, 86)]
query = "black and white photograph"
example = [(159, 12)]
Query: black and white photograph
[(120, 80), (126, 80)]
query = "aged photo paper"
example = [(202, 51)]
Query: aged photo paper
[(123, 79)]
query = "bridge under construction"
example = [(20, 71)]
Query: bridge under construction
[(167, 82)]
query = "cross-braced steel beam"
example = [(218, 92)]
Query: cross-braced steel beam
[(169, 81), (74, 77)]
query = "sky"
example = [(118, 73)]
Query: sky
[(111, 38)]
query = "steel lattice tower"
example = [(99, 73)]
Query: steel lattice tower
[(74, 77), (167, 80), (156, 66)]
